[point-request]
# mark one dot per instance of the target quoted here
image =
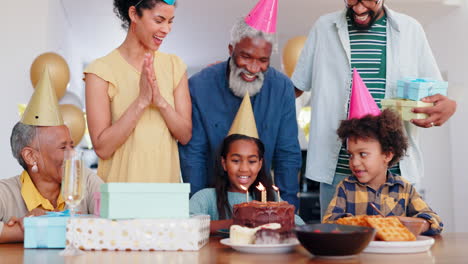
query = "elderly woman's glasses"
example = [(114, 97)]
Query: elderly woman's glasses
[(366, 3)]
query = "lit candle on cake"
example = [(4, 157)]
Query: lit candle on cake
[(277, 192), (246, 193), (263, 191)]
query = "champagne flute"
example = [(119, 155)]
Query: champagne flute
[(72, 190)]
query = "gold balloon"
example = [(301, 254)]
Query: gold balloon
[(291, 52), (74, 119), (58, 70)]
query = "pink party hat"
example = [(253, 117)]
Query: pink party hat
[(361, 103), (263, 16)]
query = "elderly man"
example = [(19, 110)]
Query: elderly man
[(39, 142), (217, 92), (384, 46)]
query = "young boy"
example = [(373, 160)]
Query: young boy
[(374, 144)]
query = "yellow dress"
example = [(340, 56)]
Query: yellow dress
[(150, 153)]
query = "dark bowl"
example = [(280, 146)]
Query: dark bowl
[(333, 239)]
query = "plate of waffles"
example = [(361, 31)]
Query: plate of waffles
[(421, 244)]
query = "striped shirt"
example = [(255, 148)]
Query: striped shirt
[(369, 57), (396, 197)]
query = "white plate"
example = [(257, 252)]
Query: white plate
[(422, 244), (262, 249)]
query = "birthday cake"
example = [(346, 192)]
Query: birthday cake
[(255, 214)]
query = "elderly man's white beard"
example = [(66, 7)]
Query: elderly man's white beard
[(238, 86)]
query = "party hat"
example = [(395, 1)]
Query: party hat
[(244, 122), (43, 109), (361, 102), (263, 16)]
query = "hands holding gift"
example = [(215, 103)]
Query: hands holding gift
[(442, 110)]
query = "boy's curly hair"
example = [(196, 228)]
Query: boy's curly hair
[(386, 128)]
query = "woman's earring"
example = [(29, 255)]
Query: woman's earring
[(34, 168)]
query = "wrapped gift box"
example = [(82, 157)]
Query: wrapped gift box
[(46, 231), (131, 200), (403, 107), (416, 89), (139, 234)]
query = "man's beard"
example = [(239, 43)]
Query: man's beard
[(350, 13), (238, 85)]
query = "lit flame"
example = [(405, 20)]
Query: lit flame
[(243, 188), (275, 188), (260, 187)]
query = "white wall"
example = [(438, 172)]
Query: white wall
[(34, 27), (22, 40)]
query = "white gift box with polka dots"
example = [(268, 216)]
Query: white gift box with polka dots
[(92, 233)]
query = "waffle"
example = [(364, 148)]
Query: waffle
[(359, 220), (390, 229)]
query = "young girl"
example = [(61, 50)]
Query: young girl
[(240, 164), (374, 144)]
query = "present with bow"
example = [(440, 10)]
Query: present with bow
[(46, 231), (417, 88)]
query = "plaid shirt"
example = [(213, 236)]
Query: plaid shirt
[(396, 197)]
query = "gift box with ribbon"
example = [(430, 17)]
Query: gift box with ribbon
[(417, 88), (46, 231), (131, 200), (139, 234), (404, 106)]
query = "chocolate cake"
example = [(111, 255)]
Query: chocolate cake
[(255, 213)]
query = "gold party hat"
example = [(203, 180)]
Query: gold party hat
[(244, 122), (42, 109)]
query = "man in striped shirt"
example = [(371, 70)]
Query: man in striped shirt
[(383, 46)]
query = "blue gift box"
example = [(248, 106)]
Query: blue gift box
[(416, 89), (46, 231), (144, 200)]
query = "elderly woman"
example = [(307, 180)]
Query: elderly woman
[(40, 151)]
